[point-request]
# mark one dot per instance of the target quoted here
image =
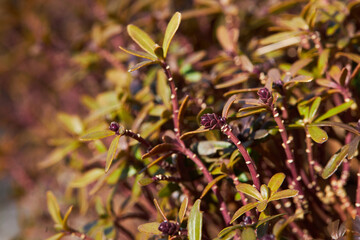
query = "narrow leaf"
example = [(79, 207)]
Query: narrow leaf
[(161, 148), (237, 79), (155, 162), (298, 65), (334, 111), (87, 178), (262, 221), (150, 228), (211, 184), (353, 147), (139, 54), (227, 230), (141, 64), (163, 89), (299, 79), (96, 135), (275, 182), (66, 217), (243, 210), (343, 75), (313, 109), (111, 152), (323, 60), (199, 130), (171, 29), (335, 162), (182, 108), (71, 122), (53, 208), (145, 181), (317, 134), (57, 236), (228, 104), (160, 210), (249, 190), (352, 56), (195, 222), (142, 39), (288, 193), (224, 38), (182, 210)]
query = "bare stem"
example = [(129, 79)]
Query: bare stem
[(357, 204), (310, 159), (226, 129), (138, 138)]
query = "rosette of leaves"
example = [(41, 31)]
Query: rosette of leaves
[(154, 53), (267, 194)]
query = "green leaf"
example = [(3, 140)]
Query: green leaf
[(313, 109), (171, 29), (249, 190), (58, 154), (150, 228), (182, 210), (87, 178), (159, 52), (154, 162), (335, 162), (275, 182), (111, 152), (227, 230), (288, 193), (162, 89), (56, 236), (139, 54), (317, 134), (53, 208), (334, 111), (211, 184), (141, 64), (97, 135), (160, 148), (71, 122), (262, 221), (243, 210), (142, 39), (248, 234), (262, 205), (66, 217), (194, 225), (145, 181), (265, 192), (323, 60)]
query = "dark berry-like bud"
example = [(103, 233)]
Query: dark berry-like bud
[(247, 220), (168, 228), (265, 96), (114, 126), (279, 86), (212, 121)]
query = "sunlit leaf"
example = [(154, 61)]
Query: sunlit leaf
[(53, 208), (141, 64), (194, 225), (211, 184), (335, 162), (71, 122), (313, 109), (323, 60), (142, 39), (58, 154), (171, 29), (227, 230), (182, 108), (146, 181), (199, 130), (262, 205), (264, 191), (299, 79), (249, 190), (182, 210), (206, 148), (150, 228), (267, 219), (139, 54), (248, 234), (159, 52), (352, 56), (317, 134), (243, 90), (87, 178), (228, 104), (334, 111), (224, 38), (159, 209), (56, 236), (66, 217), (160, 148), (298, 65), (162, 89), (111, 152), (288, 193), (243, 210), (96, 135), (275, 182)]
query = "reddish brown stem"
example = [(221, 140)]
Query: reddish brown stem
[(311, 161), (357, 204), (138, 138), (226, 129)]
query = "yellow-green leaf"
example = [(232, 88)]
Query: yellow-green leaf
[(162, 89), (87, 178), (97, 135), (265, 191), (335, 162), (53, 208), (248, 234), (171, 29), (243, 210), (323, 60), (194, 225), (182, 108), (142, 39), (334, 111), (249, 190), (56, 236), (71, 122), (262, 205), (161, 148), (139, 54), (150, 228), (66, 217), (182, 210), (141, 64), (58, 154), (313, 109), (351, 56), (275, 182), (199, 130), (111, 152), (317, 134), (288, 193), (146, 181), (211, 184)]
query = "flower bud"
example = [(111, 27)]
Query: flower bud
[(265, 95), (212, 121), (114, 126)]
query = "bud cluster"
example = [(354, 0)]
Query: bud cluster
[(169, 228), (117, 128), (212, 121), (265, 96)]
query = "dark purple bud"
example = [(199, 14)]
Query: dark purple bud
[(168, 228), (247, 220), (114, 126), (164, 227), (265, 95), (212, 121)]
